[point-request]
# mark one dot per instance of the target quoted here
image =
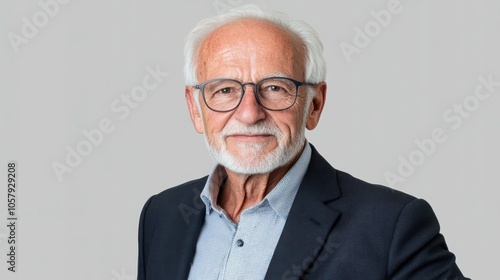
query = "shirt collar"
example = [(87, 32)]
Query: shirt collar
[(210, 192), (283, 194), (280, 198)]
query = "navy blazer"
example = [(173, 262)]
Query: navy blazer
[(339, 227)]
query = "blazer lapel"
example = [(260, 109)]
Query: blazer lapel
[(309, 222)]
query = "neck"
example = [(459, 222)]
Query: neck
[(242, 191)]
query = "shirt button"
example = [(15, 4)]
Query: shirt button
[(240, 243)]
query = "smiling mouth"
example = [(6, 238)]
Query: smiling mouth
[(249, 137)]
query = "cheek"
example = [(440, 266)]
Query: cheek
[(290, 124), (297, 120), (214, 122)]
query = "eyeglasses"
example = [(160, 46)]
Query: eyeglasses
[(274, 94)]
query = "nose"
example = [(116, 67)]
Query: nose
[(249, 111)]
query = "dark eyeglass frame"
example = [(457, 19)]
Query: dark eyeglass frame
[(201, 87)]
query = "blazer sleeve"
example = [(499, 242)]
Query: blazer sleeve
[(141, 266), (418, 250)]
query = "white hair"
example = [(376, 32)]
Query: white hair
[(315, 66)]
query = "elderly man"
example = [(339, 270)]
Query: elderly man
[(272, 207)]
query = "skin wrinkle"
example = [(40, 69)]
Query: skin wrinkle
[(219, 39), (249, 50)]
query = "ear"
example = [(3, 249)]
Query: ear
[(316, 107), (194, 109)]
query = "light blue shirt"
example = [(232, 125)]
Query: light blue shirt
[(229, 251)]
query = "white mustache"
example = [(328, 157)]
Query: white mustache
[(259, 128)]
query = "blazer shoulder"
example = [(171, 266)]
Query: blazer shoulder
[(180, 193), (372, 195), (167, 220), (174, 199), (339, 185)]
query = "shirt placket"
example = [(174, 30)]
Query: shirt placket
[(239, 244)]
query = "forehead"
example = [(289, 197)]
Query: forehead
[(250, 45)]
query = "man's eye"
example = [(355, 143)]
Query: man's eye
[(275, 88), (226, 90)]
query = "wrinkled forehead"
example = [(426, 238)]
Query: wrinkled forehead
[(251, 39)]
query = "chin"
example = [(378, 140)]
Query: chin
[(255, 159)]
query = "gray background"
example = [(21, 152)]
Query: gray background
[(393, 92)]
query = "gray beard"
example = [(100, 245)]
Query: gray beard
[(261, 162)]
